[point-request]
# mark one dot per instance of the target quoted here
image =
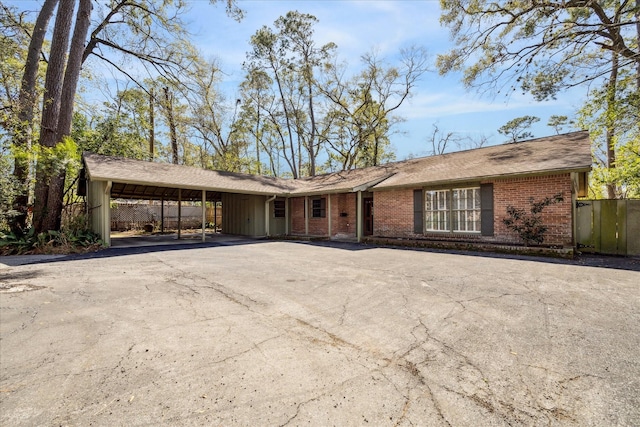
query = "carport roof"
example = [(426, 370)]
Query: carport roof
[(560, 153), (164, 175)]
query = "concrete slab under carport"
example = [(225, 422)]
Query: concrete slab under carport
[(129, 240), (292, 333)]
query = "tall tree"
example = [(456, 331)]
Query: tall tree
[(148, 31), (517, 129), (23, 130), (363, 108), (297, 30), (544, 47), (43, 218)]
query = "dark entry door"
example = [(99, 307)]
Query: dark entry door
[(368, 216)]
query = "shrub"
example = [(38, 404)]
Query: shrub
[(529, 225)]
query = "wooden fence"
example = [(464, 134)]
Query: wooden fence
[(608, 226), (130, 216)]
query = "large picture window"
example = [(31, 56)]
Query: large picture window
[(456, 210)]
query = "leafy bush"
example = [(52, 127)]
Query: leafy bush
[(50, 242), (529, 226)]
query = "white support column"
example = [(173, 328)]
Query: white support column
[(106, 214), (306, 215), (286, 217), (267, 214), (179, 211), (359, 216), (329, 214), (204, 213)]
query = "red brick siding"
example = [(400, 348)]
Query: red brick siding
[(519, 191), (343, 225), (393, 211), (317, 226), (340, 225), (296, 212)]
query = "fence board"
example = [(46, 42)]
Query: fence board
[(608, 226), (633, 227)]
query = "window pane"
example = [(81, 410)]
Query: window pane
[(466, 213), (437, 210)]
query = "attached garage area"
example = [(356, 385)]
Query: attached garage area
[(250, 206)]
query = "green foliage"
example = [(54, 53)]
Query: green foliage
[(614, 120), (558, 123), (543, 47), (529, 225), (8, 188), (516, 129), (49, 242)]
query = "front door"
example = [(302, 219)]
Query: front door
[(368, 216)]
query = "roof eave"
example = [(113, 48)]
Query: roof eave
[(481, 178), (189, 187)]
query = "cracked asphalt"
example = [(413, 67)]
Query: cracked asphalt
[(288, 333)]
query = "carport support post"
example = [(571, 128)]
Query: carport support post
[(204, 212), (179, 211), (359, 216), (162, 215), (286, 217)]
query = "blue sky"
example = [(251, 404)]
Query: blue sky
[(361, 26)]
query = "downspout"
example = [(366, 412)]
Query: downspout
[(266, 214)]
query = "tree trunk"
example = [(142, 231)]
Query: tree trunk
[(312, 136), (172, 126), (71, 75), (610, 121), (152, 130), (51, 107), (22, 136)]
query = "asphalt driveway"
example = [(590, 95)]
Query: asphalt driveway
[(286, 333)]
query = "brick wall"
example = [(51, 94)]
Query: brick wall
[(393, 211), (317, 226), (344, 226), (297, 215), (519, 191), (341, 225)]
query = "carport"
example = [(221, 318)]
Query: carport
[(245, 198)]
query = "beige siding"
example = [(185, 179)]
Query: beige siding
[(243, 214), (98, 199)]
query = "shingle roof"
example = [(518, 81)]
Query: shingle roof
[(568, 153), (120, 169), (560, 153)]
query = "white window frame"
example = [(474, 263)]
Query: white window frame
[(444, 210), (465, 211), (437, 210)]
